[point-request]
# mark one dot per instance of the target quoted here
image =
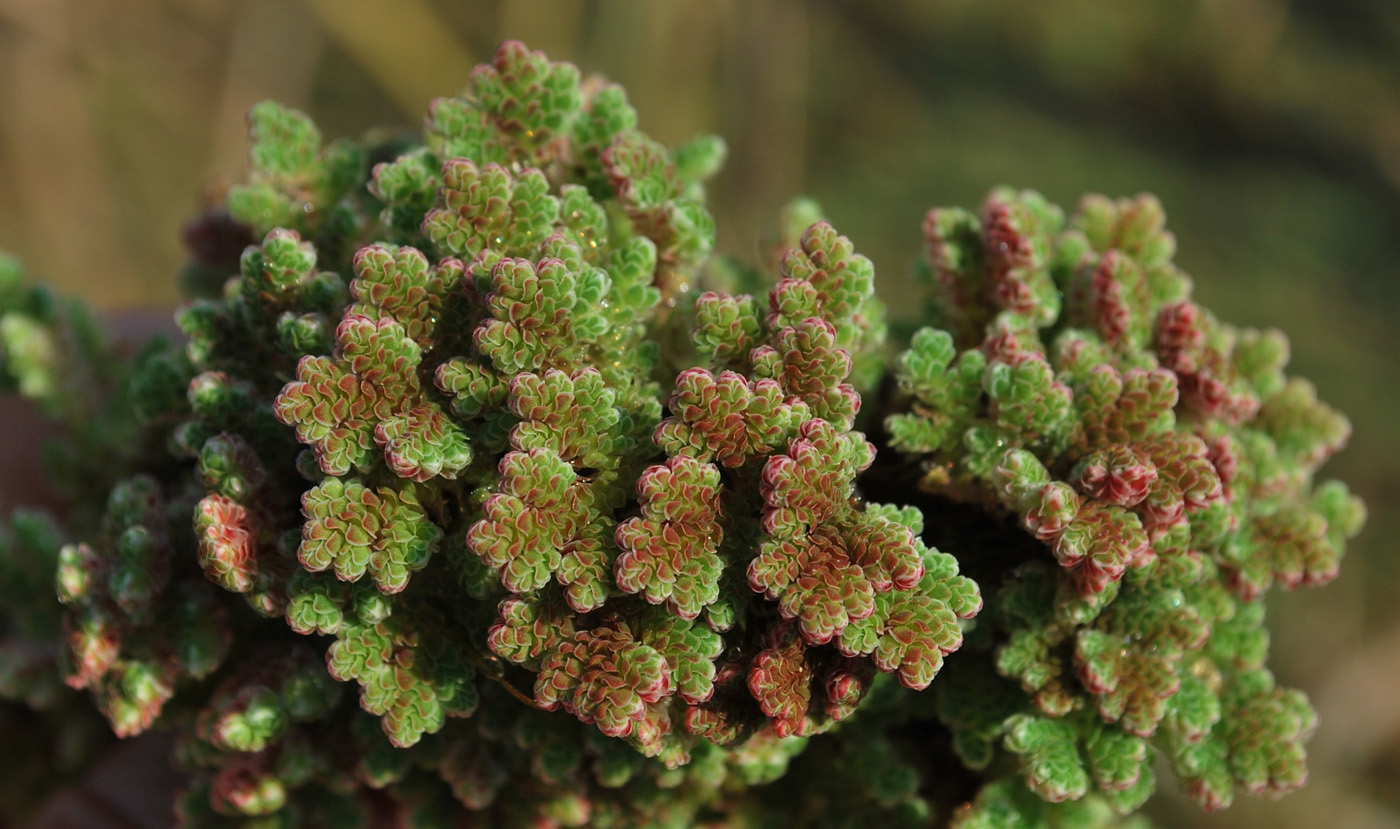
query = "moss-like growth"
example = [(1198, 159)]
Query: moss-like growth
[(426, 444)]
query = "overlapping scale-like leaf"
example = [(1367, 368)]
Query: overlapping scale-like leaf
[(1112, 297), (515, 110), (912, 630), (690, 649), (530, 628), (604, 676), (295, 180), (812, 483), (1135, 226), (355, 529), (475, 388), (670, 553), (1028, 402), (489, 208), (1017, 229), (726, 329), (1049, 757), (539, 508), (814, 581), (228, 540), (647, 183), (948, 387), (412, 684), (726, 418), (1130, 659), (423, 443), (824, 562), (335, 403), (573, 415), (809, 366), (779, 681), (825, 278), (398, 282), (537, 312), (953, 266)]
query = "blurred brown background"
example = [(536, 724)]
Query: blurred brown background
[(1270, 129)]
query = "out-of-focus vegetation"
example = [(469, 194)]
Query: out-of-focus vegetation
[(1269, 128)]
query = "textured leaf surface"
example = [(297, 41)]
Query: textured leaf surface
[(355, 529)]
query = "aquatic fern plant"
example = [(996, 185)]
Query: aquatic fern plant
[(480, 493)]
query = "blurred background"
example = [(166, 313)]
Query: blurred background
[(1269, 128)]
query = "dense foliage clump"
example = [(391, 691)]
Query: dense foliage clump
[(479, 495)]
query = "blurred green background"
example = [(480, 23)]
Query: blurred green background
[(1270, 129)]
